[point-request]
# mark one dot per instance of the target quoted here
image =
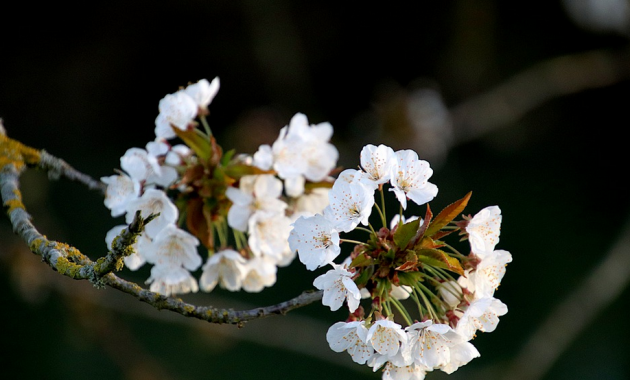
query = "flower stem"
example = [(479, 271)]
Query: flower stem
[(380, 213), (383, 206), (204, 122), (352, 241), (402, 310)]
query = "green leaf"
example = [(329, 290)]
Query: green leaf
[(199, 143), (410, 278), (365, 275), (405, 232), (447, 215), (361, 261), (227, 156), (440, 259)]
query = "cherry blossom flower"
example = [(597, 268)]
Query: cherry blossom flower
[(411, 179), (178, 155), (260, 272), (482, 314), (379, 163), (294, 187), (487, 276), (461, 354), (256, 194), (170, 280), (226, 268), (400, 292), (410, 372), (268, 235), (316, 241), (450, 292), (312, 202), (484, 229), (338, 287), (430, 343), (263, 158), (203, 92), (350, 204), (350, 337), (139, 164), (178, 110), (174, 247), (353, 176), (153, 201), (121, 189), (386, 337), (302, 150)]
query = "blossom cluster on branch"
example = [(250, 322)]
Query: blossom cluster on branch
[(248, 215), (239, 207), (405, 261)]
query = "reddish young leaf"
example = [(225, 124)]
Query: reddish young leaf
[(447, 215)]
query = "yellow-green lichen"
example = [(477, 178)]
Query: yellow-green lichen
[(13, 204), (189, 309), (36, 243), (15, 153), (67, 268)]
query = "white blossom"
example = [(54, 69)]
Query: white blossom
[(487, 276), (350, 337), (378, 162), (400, 292), (450, 292), (121, 189), (312, 202), (386, 337), (268, 235), (139, 164), (353, 176), (158, 147), (338, 287), (153, 201), (203, 92), (178, 155), (316, 241), (170, 280), (178, 110), (431, 343), (226, 268), (410, 372), (461, 354), (484, 229), (261, 272), (350, 204), (174, 246), (294, 186), (482, 314), (258, 193), (411, 179), (302, 150), (263, 158)]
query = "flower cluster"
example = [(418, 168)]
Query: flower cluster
[(239, 207), (247, 215), (404, 261)]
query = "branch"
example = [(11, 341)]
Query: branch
[(69, 261)]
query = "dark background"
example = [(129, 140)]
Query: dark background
[(538, 104)]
